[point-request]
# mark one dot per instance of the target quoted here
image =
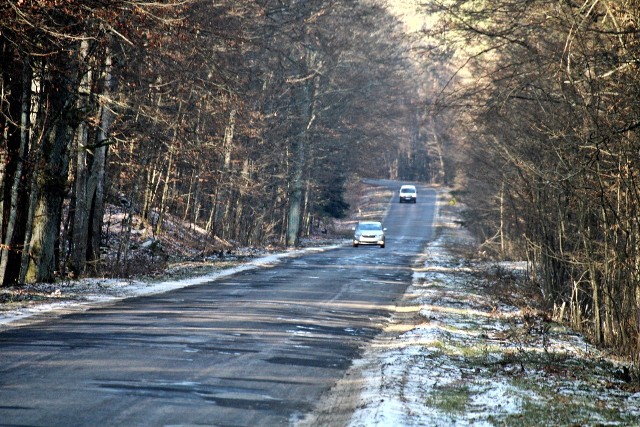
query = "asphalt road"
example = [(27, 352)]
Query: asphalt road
[(256, 348)]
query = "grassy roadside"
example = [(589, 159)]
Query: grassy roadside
[(483, 352)]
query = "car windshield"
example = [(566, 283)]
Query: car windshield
[(370, 227), (407, 190)]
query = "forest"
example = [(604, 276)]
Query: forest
[(242, 118), (248, 118), (543, 95)]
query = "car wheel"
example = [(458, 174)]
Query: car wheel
[(382, 246), (355, 245), (414, 200)]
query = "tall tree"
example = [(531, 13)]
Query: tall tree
[(550, 98)]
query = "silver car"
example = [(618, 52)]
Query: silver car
[(368, 233)]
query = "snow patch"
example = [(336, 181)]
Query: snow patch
[(97, 291)]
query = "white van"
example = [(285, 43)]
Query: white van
[(408, 194)]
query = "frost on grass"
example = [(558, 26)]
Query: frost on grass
[(475, 359)]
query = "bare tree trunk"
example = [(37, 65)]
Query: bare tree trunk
[(153, 176), (48, 213), (167, 182), (241, 231), (51, 179), (295, 198), (96, 181), (440, 178), (299, 153), (165, 194), (197, 204), (36, 96), (5, 83), (24, 101), (228, 139), (226, 196), (502, 242), (209, 227), (187, 206), (306, 209), (597, 309), (124, 243), (81, 211), (150, 187)]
